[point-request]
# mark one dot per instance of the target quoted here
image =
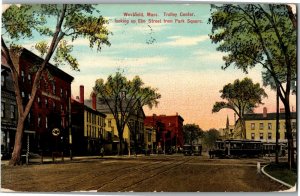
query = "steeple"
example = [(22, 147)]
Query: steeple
[(227, 123)]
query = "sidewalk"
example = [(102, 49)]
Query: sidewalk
[(48, 159)]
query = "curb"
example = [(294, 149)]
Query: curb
[(275, 179)]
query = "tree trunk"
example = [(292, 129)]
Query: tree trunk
[(277, 128), (16, 154), (243, 129), (121, 150), (289, 134)]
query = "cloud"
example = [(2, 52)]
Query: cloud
[(208, 56), (185, 41)]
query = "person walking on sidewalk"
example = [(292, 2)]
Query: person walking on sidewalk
[(102, 151)]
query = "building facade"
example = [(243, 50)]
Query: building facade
[(88, 127), (51, 107), (8, 111), (150, 138), (169, 135), (133, 134), (262, 126)]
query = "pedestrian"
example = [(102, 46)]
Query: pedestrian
[(102, 151)]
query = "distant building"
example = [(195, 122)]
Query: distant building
[(133, 134), (229, 131), (88, 127), (50, 109), (170, 131), (262, 126), (150, 138)]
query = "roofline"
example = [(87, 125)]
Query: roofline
[(94, 111), (29, 53)]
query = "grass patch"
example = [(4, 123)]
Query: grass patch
[(281, 171)]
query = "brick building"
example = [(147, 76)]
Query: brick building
[(51, 107), (169, 131)]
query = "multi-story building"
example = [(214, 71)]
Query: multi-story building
[(150, 138), (262, 126), (51, 107), (170, 131), (88, 127), (8, 111), (133, 133)]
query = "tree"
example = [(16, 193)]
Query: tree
[(191, 132), (210, 137), (124, 98), (35, 21), (254, 34), (242, 97)]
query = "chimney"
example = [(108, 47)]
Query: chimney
[(282, 110), (94, 101), (264, 112), (81, 96)]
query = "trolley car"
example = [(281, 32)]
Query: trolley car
[(269, 149), (236, 148)]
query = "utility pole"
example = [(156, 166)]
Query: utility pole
[(70, 129)]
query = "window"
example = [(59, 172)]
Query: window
[(109, 123), (61, 92), (12, 112), (61, 107), (23, 76), (261, 126), (53, 89), (2, 110), (261, 136), (269, 136), (23, 94), (54, 105), (149, 136), (46, 103), (39, 101), (293, 125), (269, 126), (252, 136), (46, 121), (39, 121), (29, 78), (66, 93), (252, 126), (2, 80)]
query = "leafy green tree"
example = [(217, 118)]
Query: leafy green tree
[(191, 132), (260, 34), (124, 98), (57, 22), (242, 97), (210, 137)]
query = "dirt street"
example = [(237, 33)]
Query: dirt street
[(140, 174)]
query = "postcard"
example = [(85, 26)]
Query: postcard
[(149, 97)]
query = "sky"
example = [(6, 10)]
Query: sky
[(180, 61)]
